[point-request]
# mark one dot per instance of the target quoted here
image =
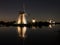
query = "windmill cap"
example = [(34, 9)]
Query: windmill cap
[(21, 12)]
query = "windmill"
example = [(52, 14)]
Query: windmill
[(22, 16)]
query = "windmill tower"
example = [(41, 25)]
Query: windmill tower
[(22, 18)]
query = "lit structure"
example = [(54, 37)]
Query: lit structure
[(51, 21), (33, 20), (22, 18)]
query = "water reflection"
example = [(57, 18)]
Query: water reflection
[(22, 31), (33, 27), (51, 25), (36, 36)]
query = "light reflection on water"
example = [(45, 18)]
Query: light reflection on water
[(51, 25), (21, 31), (34, 35)]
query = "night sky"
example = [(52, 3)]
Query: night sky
[(39, 9)]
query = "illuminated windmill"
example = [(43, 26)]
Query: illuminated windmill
[(22, 17)]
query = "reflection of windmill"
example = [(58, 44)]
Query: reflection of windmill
[(21, 31)]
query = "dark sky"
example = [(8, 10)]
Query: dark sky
[(40, 9)]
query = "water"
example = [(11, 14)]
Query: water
[(30, 36)]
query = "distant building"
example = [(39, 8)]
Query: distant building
[(51, 21), (33, 20)]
